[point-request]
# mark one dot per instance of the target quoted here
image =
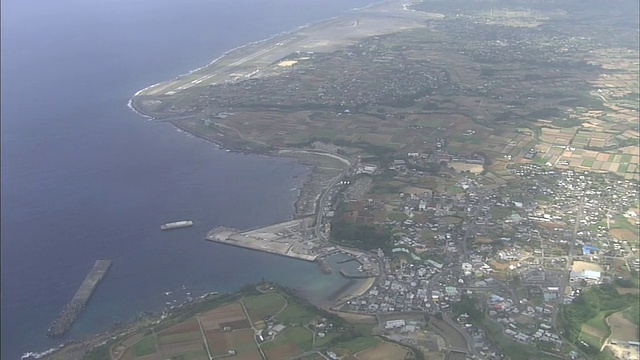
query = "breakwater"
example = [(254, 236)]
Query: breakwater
[(79, 301), (363, 275), (347, 260), (324, 266)]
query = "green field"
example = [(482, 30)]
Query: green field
[(626, 158), (588, 162), (545, 198), (513, 349), (453, 189), (427, 234), (301, 337), (145, 346), (432, 122), (500, 212), (296, 314), (593, 341), (397, 216), (320, 342), (358, 344), (364, 328), (621, 222), (261, 306), (623, 167), (599, 322)]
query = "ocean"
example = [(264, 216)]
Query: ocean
[(84, 178)]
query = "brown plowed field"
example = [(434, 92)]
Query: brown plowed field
[(240, 339), (623, 329), (238, 324), (185, 327), (248, 355), (220, 342), (181, 348), (623, 234), (228, 313), (217, 342), (284, 351)]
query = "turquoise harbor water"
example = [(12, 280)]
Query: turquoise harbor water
[(84, 178)]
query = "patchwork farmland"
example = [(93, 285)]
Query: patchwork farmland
[(268, 326)]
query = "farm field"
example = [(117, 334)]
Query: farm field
[(622, 328), (592, 336), (296, 314), (293, 341), (284, 330), (261, 306)]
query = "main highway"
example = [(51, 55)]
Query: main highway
[(570, 256)]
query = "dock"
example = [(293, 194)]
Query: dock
[(79, 301), (286, 239)]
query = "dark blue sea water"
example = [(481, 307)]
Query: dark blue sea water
[(84, 178)]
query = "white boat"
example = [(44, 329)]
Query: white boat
[(176, 225)]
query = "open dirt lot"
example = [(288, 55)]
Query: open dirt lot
[(583, 265), (384, 351), (501, 265), (625, 352)]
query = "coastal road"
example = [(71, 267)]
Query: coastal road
[(321, 204)]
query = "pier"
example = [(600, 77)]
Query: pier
[(287, 239), (79, 301)]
